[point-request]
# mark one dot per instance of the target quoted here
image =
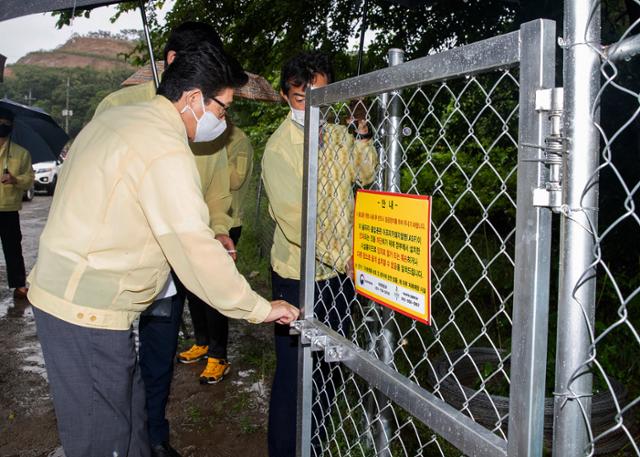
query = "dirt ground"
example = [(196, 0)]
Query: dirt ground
[(228, 419)]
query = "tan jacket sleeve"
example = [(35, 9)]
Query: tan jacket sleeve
[(170, 196), (284, 191), (240, 154), (26, 175), (218, 196)]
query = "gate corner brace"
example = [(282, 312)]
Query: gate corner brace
[(311, 334)]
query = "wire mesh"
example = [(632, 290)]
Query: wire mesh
[(614, 228), (458, 144)]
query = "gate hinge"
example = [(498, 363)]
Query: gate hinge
[(311, 334), (550, 195)]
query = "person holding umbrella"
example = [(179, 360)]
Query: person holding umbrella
[(17, 177)]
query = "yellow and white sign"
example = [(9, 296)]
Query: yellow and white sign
[(392, 249)]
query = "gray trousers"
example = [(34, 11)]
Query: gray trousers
[(96, 387)]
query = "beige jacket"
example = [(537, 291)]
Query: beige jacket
[(342, 162), (240, 158), (18, 160), (128, 204)]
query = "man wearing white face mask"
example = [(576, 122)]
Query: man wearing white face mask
[(160, 323), (351, 160), (129, 205)]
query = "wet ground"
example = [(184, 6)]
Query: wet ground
[(227, 419)]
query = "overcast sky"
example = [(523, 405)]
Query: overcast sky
[(36, 32)]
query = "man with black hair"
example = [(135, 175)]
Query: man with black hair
[(16, 177), (160, 323), (344, 161), (129, 205)]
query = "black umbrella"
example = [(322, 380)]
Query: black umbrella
[(36, 131), (17, 8)]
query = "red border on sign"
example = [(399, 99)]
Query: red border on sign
[(353, 247)]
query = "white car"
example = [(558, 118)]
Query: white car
[(46, 175)]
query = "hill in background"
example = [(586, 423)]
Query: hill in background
[(73, 77), (101, 51)]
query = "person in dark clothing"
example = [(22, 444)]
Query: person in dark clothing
[(17, 177)]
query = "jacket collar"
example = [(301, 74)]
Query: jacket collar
[(169, 112), (296, 132)]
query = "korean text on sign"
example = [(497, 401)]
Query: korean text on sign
[(391, 246)]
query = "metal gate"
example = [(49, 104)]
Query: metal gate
[(468, 127)]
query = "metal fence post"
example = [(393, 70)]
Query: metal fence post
[(392, 178), (387, 339), (308, 270), (532, 249), (576, 296)]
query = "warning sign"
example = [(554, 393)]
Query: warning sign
[(391, 246)]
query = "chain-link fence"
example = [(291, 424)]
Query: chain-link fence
[(472, 128), (458, 143), (447, 126), (599, 302)]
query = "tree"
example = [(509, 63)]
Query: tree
[(262, 33), (48, 86)]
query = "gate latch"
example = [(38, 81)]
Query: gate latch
[(550, 196), (312, 334)]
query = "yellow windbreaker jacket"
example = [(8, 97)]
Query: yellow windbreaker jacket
[(18, 160), (342, 162), (128, 204), (240, 158)]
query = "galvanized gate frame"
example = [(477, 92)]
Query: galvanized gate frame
[(533, 49)]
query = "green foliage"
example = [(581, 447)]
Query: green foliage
[(48, 86), (262, 34), (259, 120)]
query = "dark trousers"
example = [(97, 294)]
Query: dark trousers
[(210, 327), (336, 294), (97, 391), (158, 344), (11, 237)]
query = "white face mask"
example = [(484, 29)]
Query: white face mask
[(208, 127), (297, 115)]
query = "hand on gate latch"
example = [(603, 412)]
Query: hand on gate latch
[(296, 327)]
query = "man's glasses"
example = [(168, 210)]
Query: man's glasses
[(224, 107)]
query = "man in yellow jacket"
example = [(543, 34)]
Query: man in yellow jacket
[(211, 328), (345, 160), (160, 323), (17, 176), (128, 206)]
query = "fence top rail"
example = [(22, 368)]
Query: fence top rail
[(497, 52)]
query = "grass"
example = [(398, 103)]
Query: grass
[(194, 414)]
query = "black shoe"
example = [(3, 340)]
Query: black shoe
[(164, 450)]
